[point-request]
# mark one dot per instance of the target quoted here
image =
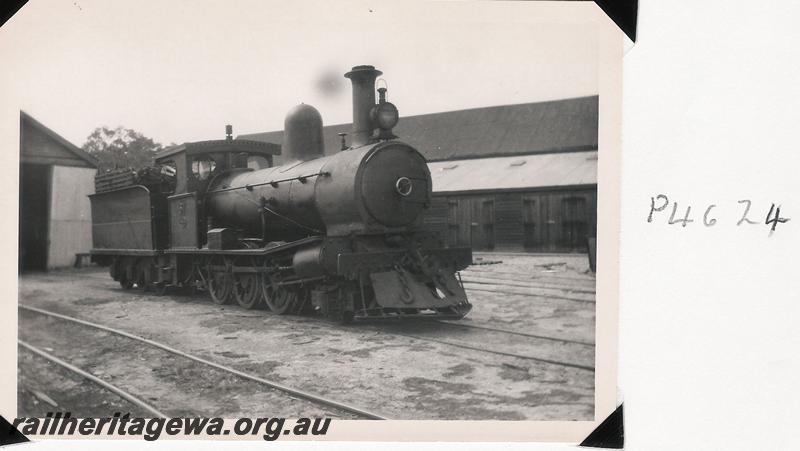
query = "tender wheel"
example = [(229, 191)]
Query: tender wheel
[(125, 283), (160, 288), (247, 290), (279, 299), (220, 283), (346, 317), (141, 280)]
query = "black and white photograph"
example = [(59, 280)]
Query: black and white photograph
[(373, 211)]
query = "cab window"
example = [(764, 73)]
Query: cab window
[(202, 167), (257, 162)]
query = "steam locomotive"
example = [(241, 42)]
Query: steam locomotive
[(339, 234)]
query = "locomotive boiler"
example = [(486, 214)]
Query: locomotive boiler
[(339, 234)]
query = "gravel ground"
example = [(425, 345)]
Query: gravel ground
[(413, 370)]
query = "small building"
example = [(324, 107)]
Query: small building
[(511, 177), (55, 179)]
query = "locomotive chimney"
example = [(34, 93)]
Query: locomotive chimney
[(363, 79)]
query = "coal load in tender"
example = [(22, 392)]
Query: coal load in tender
[(154, 178)]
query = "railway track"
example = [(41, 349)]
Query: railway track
[(92, 378), (532, 275), (389, 328), (401, 329), (513, 332), (499, 352), (518, 282), (470, 286), (294, 392), (523, 284)]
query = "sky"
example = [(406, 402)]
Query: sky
[(178, 71)]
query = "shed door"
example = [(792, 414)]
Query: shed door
[(471, 222), (482, 223), (574, 228), (531, 223), (34, 216)]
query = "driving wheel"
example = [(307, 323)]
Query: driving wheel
[(220, 281), (279, 299), (247, 290)]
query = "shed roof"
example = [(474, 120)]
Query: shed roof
[(515, 172), (35, 152), (559, 125)]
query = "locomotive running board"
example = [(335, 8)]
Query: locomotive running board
[(126, 252), (255, 252)]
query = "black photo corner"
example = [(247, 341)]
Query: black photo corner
[(609, 434), (623, 13), (10, 435), (8, 8)]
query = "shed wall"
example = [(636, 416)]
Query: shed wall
[(70, 214), (536, 220)]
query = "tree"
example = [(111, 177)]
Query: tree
[(121, 148)]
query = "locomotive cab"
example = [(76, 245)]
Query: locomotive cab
[(195, 166)]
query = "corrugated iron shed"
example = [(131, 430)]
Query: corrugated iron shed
[(515, 172), (560, 125)]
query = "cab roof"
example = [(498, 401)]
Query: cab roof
[(220, 146)]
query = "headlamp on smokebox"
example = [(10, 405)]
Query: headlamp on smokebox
[(384, 116)]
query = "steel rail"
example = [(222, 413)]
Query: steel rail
[(503, 353), (513, 332), (532, 275), (112, 388), (524, 284), (532, 295), (292, 391), (535, 280)]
